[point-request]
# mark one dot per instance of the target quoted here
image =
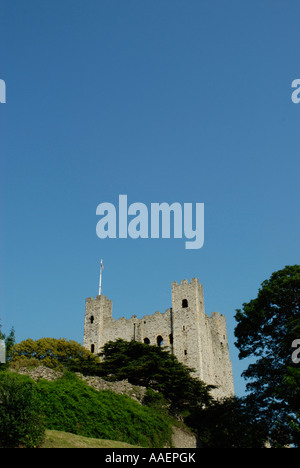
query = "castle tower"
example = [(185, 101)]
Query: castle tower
[(188, 321), (199, 341), (97, 313)]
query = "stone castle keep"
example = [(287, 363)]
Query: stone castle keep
[(197, 340)]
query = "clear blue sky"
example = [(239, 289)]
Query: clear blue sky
[(186, 101)]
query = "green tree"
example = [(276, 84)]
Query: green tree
[(266, 328), (228, 423), (21, 423), (153, 367), (10, 341), (58, 354)]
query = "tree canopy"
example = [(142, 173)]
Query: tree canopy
[(56, 354), (21, 422), (267, 327)]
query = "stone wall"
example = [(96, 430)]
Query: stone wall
[(181, 438), (122, 387)]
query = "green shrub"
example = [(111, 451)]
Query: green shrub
[(21, 422), (155, 399), (70, 405), (24, 362)]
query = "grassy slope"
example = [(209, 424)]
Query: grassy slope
[(59, 439), (71, 406)]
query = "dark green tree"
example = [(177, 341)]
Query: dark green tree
[(21, 422), (228, 423), (10, 341), (156, 368), (267, 327)]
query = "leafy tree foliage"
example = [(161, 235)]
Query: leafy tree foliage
[(21, 423), (228, 423), (156, 368), (56, 354), (266, 328)]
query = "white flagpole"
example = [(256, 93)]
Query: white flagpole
[(100, 281)]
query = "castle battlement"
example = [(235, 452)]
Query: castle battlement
[(185, 281), (197, 340)]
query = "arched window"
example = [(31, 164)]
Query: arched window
[(159, 340), (92, 348), (92, 319), (184, 303), (146, 341)]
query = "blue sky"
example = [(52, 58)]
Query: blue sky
[(186, 101)]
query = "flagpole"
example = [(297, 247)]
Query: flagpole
[(100, 281)]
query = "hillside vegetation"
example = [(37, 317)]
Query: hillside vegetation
[(69, 405)]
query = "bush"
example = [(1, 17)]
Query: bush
[(24, 362), (154, 399), (21, 422)]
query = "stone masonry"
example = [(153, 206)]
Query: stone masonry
[(197, 340)]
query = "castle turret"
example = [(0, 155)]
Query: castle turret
[(188, 321), (200, 341), (97, 313)]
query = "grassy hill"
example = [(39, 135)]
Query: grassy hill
[(59, 439), (71, 406)]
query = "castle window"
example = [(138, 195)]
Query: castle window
[(146, 341), (159, 340), (171, 338), (92, 348), (185, 352), (92, 319), (184, 303)]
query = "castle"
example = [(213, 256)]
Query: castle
[(197, 340)]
